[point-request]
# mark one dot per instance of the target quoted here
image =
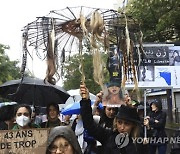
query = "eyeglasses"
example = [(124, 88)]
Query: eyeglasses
[(61, 147)]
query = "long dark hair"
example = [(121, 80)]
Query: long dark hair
[(105, 121), (55, 105), (7, 112), (23, 105)]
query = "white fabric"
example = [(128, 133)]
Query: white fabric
[(22, 120), (79, 133)]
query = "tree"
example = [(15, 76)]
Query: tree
[(159, 19), (72, 76), (9, 69)]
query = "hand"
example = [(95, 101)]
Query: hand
[(145, 140), (84, 92), (146, 122), (98, 98), (156, 121), (127, 100)]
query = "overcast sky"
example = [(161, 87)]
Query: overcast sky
[(15, 14)]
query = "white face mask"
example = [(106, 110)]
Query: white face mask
[(22, 120)]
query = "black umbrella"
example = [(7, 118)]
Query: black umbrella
[(33, 91)]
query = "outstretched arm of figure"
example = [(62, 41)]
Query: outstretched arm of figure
[(93, 129)]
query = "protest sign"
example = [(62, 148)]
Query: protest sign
[(23, 141)]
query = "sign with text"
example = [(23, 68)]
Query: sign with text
[(23, 141), (156, 55)]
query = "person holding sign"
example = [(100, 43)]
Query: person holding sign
[(23, 117), (126, 125), (62, 140)]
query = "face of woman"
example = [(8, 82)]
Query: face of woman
[(22, 111), (110, 112), (114, 90), (53, 114), (61, 146), (154, 107), (124, 126), (23, 117)]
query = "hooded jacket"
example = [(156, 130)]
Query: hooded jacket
[(67, 133), (105, 137), (157, 129)]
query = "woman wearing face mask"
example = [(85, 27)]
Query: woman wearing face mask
[(62, 140), (126, 125), (23, 117)]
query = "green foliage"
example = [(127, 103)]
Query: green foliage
[(159, 19), (72, 75), (8, 69)]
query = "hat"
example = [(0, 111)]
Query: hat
[(111, 84), (128, 113)]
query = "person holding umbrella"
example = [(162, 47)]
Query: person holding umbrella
[(23, 117)]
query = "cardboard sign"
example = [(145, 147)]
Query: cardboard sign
[(27, 141)]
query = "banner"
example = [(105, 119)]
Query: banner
[(26, 141)]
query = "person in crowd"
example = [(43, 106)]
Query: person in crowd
[(105, 120), (62, 140), (126, 125), (23, 117), (78, 128), (155, 123), (67, 120), (52, 111), (107, 114), (7, 117), (35, 117)]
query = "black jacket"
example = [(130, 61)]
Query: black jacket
[(157, 129), (3, 125), (49, 124), (106, 137)]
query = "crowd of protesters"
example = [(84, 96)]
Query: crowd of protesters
[(109, 130)]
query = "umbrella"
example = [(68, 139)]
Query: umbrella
[(33, 91), (74, 108), (75, 96), (7, 103)]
